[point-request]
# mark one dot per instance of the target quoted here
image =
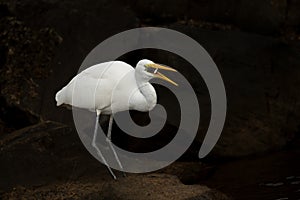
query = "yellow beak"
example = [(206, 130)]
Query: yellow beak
[(160, 75), (157, 66), (163, 77)]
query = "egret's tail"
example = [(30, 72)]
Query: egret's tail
[(60, 97)]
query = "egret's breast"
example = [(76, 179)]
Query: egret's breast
[(124, 92)]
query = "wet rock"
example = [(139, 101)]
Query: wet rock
[(156, 186), (248, 177)]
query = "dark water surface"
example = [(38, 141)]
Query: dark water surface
[(269, 177)]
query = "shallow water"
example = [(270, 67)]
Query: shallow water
[(275, 176)]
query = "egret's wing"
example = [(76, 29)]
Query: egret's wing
[(90, 93), (92, 88), (108, 70)]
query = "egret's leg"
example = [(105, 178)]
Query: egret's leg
[(108, 139), (97, 149)]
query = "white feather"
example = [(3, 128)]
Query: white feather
[(110, 87)]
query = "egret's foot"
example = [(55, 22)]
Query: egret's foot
[(113, 176), (111, 173)]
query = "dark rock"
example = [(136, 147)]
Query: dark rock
[(4, 11), (293, 14), (3, 55), (82, 25), (45, 153), (159, 12), (156, 186), (70, 190), (19, 77), (258, 72), (190, 173), (266, 17), (212, 194), (261, 104), (13, 118), (48, 161), (143, 145), (260, 16)]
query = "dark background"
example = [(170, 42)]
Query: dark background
[(255, 44)]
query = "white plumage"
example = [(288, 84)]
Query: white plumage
[(112, 87)]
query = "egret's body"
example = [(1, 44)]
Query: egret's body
[(92, 89), (112, 87)]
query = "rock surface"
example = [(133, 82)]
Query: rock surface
[(58, 167), (190, 173), (270, 17), (147, 187), (70, 190), (81, 27), (21, 95), (258, 72), (45, 153), (262, 108), (156, 187)]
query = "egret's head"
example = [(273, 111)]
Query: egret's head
[(146, 70)]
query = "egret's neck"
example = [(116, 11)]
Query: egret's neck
[(148, 92)]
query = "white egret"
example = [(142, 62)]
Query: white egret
[(110, 87)]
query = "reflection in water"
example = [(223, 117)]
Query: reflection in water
[(270, 177)]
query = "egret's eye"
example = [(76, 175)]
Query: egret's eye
[(151, 70)]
